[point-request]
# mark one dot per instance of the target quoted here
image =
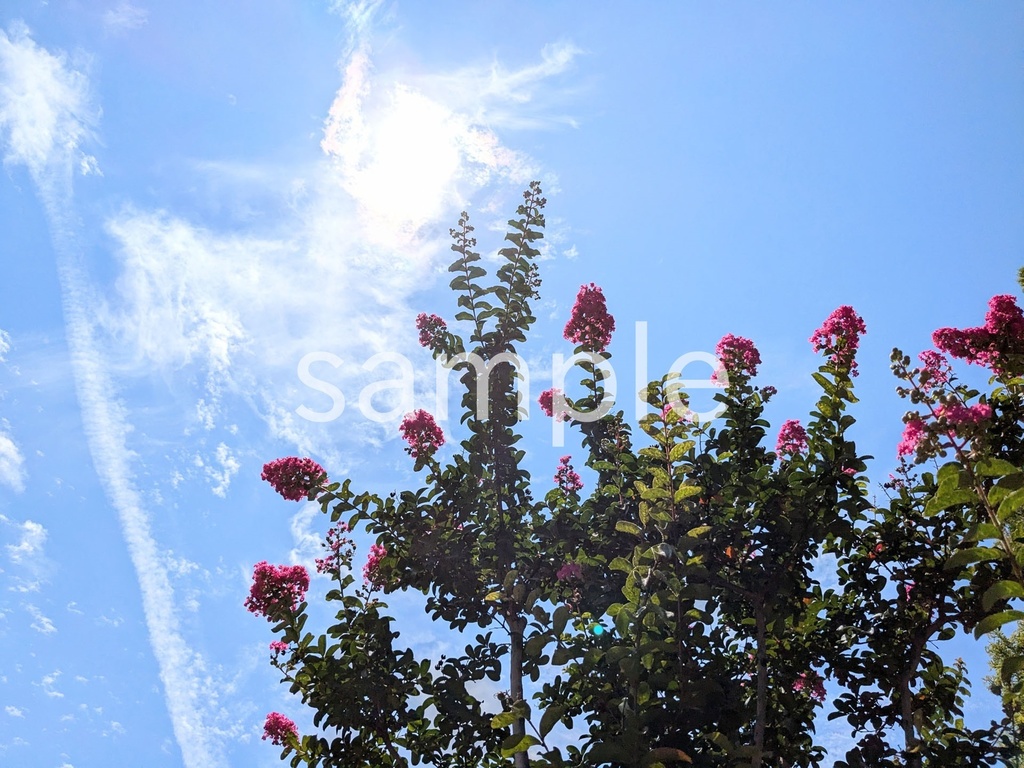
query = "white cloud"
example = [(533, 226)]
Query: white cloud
[(45, 115), (408, 158), (30, 547), (12, 472), (5, 344), (356, 240), (307, 542), (45, 108), (48, 682), (246, 304), (220, 479), (123, 18), (13, 711), (40, 622)]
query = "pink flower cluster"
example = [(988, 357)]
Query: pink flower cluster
[(431, 328), (278, 729), (421, 433), (954, 414), (546, 400), (957, 414), (913, 433), (339, 550), (991, 344), (812, 683), (276, 588), (792, 438), (294, 478), (569, 571), (371, 571), (935, 370), (279, 646), (566, 477), (841, 334), (738, 355), (590, 326)]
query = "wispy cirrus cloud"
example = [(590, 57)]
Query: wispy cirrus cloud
[(46, 114), (124, 18)]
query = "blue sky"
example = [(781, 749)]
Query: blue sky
[(195, 196)]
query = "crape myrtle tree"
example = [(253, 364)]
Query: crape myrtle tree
[(673, 613)]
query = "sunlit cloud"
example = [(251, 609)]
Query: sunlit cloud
[(45, 108)]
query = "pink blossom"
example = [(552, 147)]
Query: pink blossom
[(812, 683), (975, 345), (989, 345), (339, 550), (738, 355), (421, 433), (371, 571), (840, 333), (276, 588), (278, 729), (908, 588), (432, 329), (913, 434), (569, 571), (1004, 318), (547, 402), (567, 478), (792, 438), (957, 414), (279, 646), (935, 370), (294, 478), (590, 326)]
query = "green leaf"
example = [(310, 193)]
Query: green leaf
[(492, 596), (520, 710), (824, 383), (535, 646), (516, 743), (679, 450), (700, 530), (627, 527), (621, 564), (949, 497), (949, 475), (990, 623), (551, 716), (561, 656), (665, 755), (973, 555), (1001, 590), (993, 467), (1011, 666), (645, 513), (559, 620), (1010, 504), (686, 491)]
